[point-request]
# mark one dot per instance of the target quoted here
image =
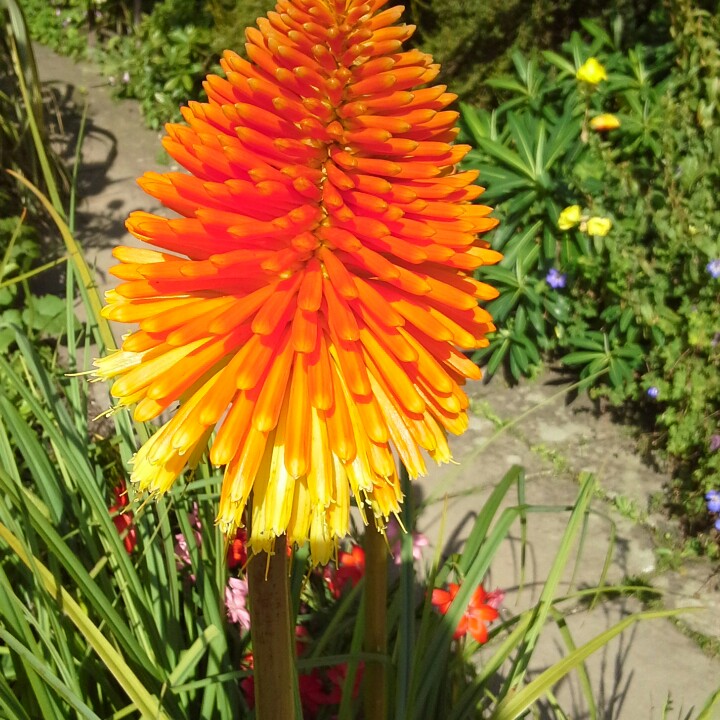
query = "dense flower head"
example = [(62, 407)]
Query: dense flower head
[(311, 302)]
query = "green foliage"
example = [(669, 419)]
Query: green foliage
[(637, 304), (475, 39)]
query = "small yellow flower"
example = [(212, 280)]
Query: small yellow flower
[(569, 217), (591, 72), (604, 122), (599, 226)]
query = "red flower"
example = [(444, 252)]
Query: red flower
[(323, 687), (237, 550), (123, 520), (481, 610), (350, 569), (247, 684)]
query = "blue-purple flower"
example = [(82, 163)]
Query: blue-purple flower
[(713, 267), (555, 279), (653, 392), (712, 499)]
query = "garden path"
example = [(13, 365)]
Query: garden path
[(631, 677)]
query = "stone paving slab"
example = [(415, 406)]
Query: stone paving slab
[(631, 677)]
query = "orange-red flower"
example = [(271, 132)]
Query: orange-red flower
[(310, 303), (350, 570), (123, 518), (481, 610)]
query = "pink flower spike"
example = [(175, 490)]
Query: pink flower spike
[(236, 594)]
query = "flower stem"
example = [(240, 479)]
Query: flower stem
[(270, 630), (375, 622)]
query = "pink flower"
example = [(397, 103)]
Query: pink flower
[(394, 536), (182, 551), (236, 594)]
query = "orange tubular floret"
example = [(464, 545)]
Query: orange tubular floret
[(314, 297)]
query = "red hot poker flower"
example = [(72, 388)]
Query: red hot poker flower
[(311, 301), (481, 610)]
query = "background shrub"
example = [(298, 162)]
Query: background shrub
[(633, 309)]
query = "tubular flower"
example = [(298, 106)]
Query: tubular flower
[(310, 302)]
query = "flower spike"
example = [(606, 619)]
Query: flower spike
[(310, 302)]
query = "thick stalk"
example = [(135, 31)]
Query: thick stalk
[(375, 622), (271, 634)]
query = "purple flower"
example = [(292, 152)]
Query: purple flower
[(236, 594), (714, 443), (713, 267), (653, 392), (712, 499), (717, 524), (555, 279)]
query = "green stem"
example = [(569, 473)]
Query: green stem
[(271, 634), (375, 622)]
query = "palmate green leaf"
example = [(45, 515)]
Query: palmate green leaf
[(562, 138), (507, 83), (147, 704), (521, 133), (513, 706), (497, 357), (559, 62), (581, 358), (477, 121), (498, 151)]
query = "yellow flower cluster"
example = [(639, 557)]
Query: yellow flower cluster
[(572, 216)]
